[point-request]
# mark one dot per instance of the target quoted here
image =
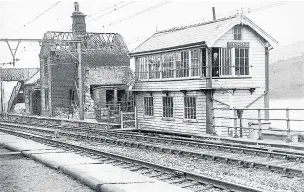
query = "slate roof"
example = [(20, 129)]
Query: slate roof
[(202, 33)]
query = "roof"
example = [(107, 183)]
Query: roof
[(203, 33), (34, 79), (108, 42)]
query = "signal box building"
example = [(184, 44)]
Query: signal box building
[(182, 73), (106, 66)]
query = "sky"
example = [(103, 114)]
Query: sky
[(18, 19)]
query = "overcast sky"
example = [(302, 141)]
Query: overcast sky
[(282, 20)]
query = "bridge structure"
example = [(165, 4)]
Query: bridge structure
[(20, 75)]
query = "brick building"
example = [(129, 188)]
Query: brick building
[(106, 66)]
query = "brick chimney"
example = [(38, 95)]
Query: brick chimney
[(79, 25)]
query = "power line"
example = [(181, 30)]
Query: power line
[(115, 9), (267, 7), (105, 9), (138, 13), (236, 10), (251, 9), (37, 16)]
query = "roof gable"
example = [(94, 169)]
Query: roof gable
[(203, 33)]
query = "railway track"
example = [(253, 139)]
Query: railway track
[(181, 178), (288, 164)]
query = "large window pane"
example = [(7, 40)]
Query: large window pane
[(195, 62), (242, 61), (190, 107), (168, 107), (148, 106), (182, 64)]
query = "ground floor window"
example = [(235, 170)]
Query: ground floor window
[(190, 107), (168, 107), (148, 106)]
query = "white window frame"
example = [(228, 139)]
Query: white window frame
[(163, 107), (191, 107), (244, 59), (149, 107)]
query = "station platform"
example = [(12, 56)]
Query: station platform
[(91, 172)]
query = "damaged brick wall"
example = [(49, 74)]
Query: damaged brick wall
[(98, 69)]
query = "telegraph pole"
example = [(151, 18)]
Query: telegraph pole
[(80, 81)]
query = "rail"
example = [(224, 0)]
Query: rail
[(181, 174), (232, 121)]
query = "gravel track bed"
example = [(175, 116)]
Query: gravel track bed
[(236, 155), (24, 175), (263, 179), (3, 150)]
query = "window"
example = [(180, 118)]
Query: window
[(154, 66), (237, 32), (168, 107), (190, 107), (204, 62), (168, 65), (148, 106), (195, 62), (225, 65), (242, 61), (143, 68), (182, 64)]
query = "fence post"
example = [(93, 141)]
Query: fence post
[(288, 140), (260, 125), (135, 110), (240, 114), (213, 121), (235, 123), (121, 120)]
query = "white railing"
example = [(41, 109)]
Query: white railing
[(128, 119), (235, 120)]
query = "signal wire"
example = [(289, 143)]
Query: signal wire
[(138, 13)]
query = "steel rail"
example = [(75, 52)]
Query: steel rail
[(201, 178), (244, 163), (186, 141)]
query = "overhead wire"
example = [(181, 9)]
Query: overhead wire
[(105, 9), (138, 13), (31, 21), (267, 7), (115, 9)]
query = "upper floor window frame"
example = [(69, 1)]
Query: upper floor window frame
[(237, 32), (183, 64)]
